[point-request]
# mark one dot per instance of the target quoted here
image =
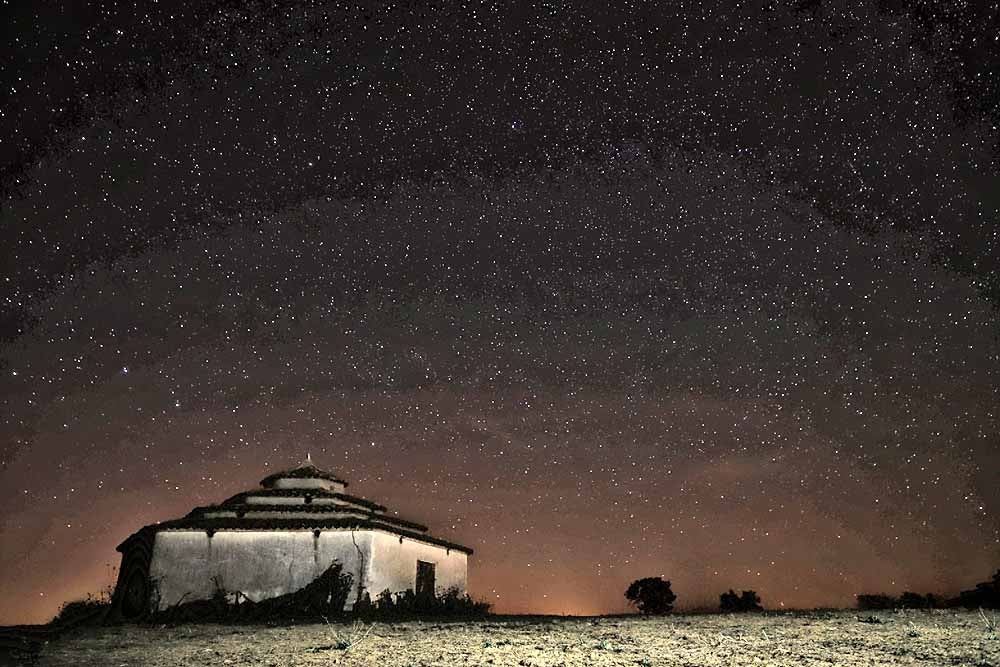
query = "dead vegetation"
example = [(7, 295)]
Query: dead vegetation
[(323, 597), (345, 640), (990, 621)]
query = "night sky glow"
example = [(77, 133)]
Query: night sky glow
[(708, 292)]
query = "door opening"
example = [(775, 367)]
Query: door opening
[(425, 580)]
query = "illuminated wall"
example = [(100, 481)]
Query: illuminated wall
[(264, 564), (394, 564)]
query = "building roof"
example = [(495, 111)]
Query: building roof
[(241, 497), (321, 512), (304, 471), (297, 508), (234, 524)]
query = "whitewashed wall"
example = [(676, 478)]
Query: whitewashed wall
[(394, 565), (259, 564), (264, 564)]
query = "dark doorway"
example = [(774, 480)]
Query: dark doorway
[(135, 601), (425, 579)]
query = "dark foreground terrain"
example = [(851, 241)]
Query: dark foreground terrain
[(793, 638)]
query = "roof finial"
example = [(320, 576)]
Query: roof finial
[(309, 459)]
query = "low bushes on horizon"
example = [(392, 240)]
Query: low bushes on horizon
[(985, 595), (745, 602)]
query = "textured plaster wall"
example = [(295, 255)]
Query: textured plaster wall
[(394, 565), (264, 564), (260, 564)]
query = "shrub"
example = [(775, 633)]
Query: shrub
[(451, 602), (651, 595), (876, 601), (748, 601), (89, 611), (985, 595), (364, 605), (911, 600)]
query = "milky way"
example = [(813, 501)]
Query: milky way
[(709, 295)]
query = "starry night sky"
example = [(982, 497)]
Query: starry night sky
[(709, 292)]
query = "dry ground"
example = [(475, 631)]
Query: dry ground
[(936, 638)]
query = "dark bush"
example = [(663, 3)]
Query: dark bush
[(364, 605), (985, 595), (876, 601), (451, 602), (747, 601), (651, 595), (89, 611), (911, 600)]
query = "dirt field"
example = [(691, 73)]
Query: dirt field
[(805, 638)]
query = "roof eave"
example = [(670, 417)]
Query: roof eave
[(225, 524)]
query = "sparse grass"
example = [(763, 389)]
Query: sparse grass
[(804, 639), (500, 642), (990, 621), (346, 640)]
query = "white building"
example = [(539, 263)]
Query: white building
[(277, 539)]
